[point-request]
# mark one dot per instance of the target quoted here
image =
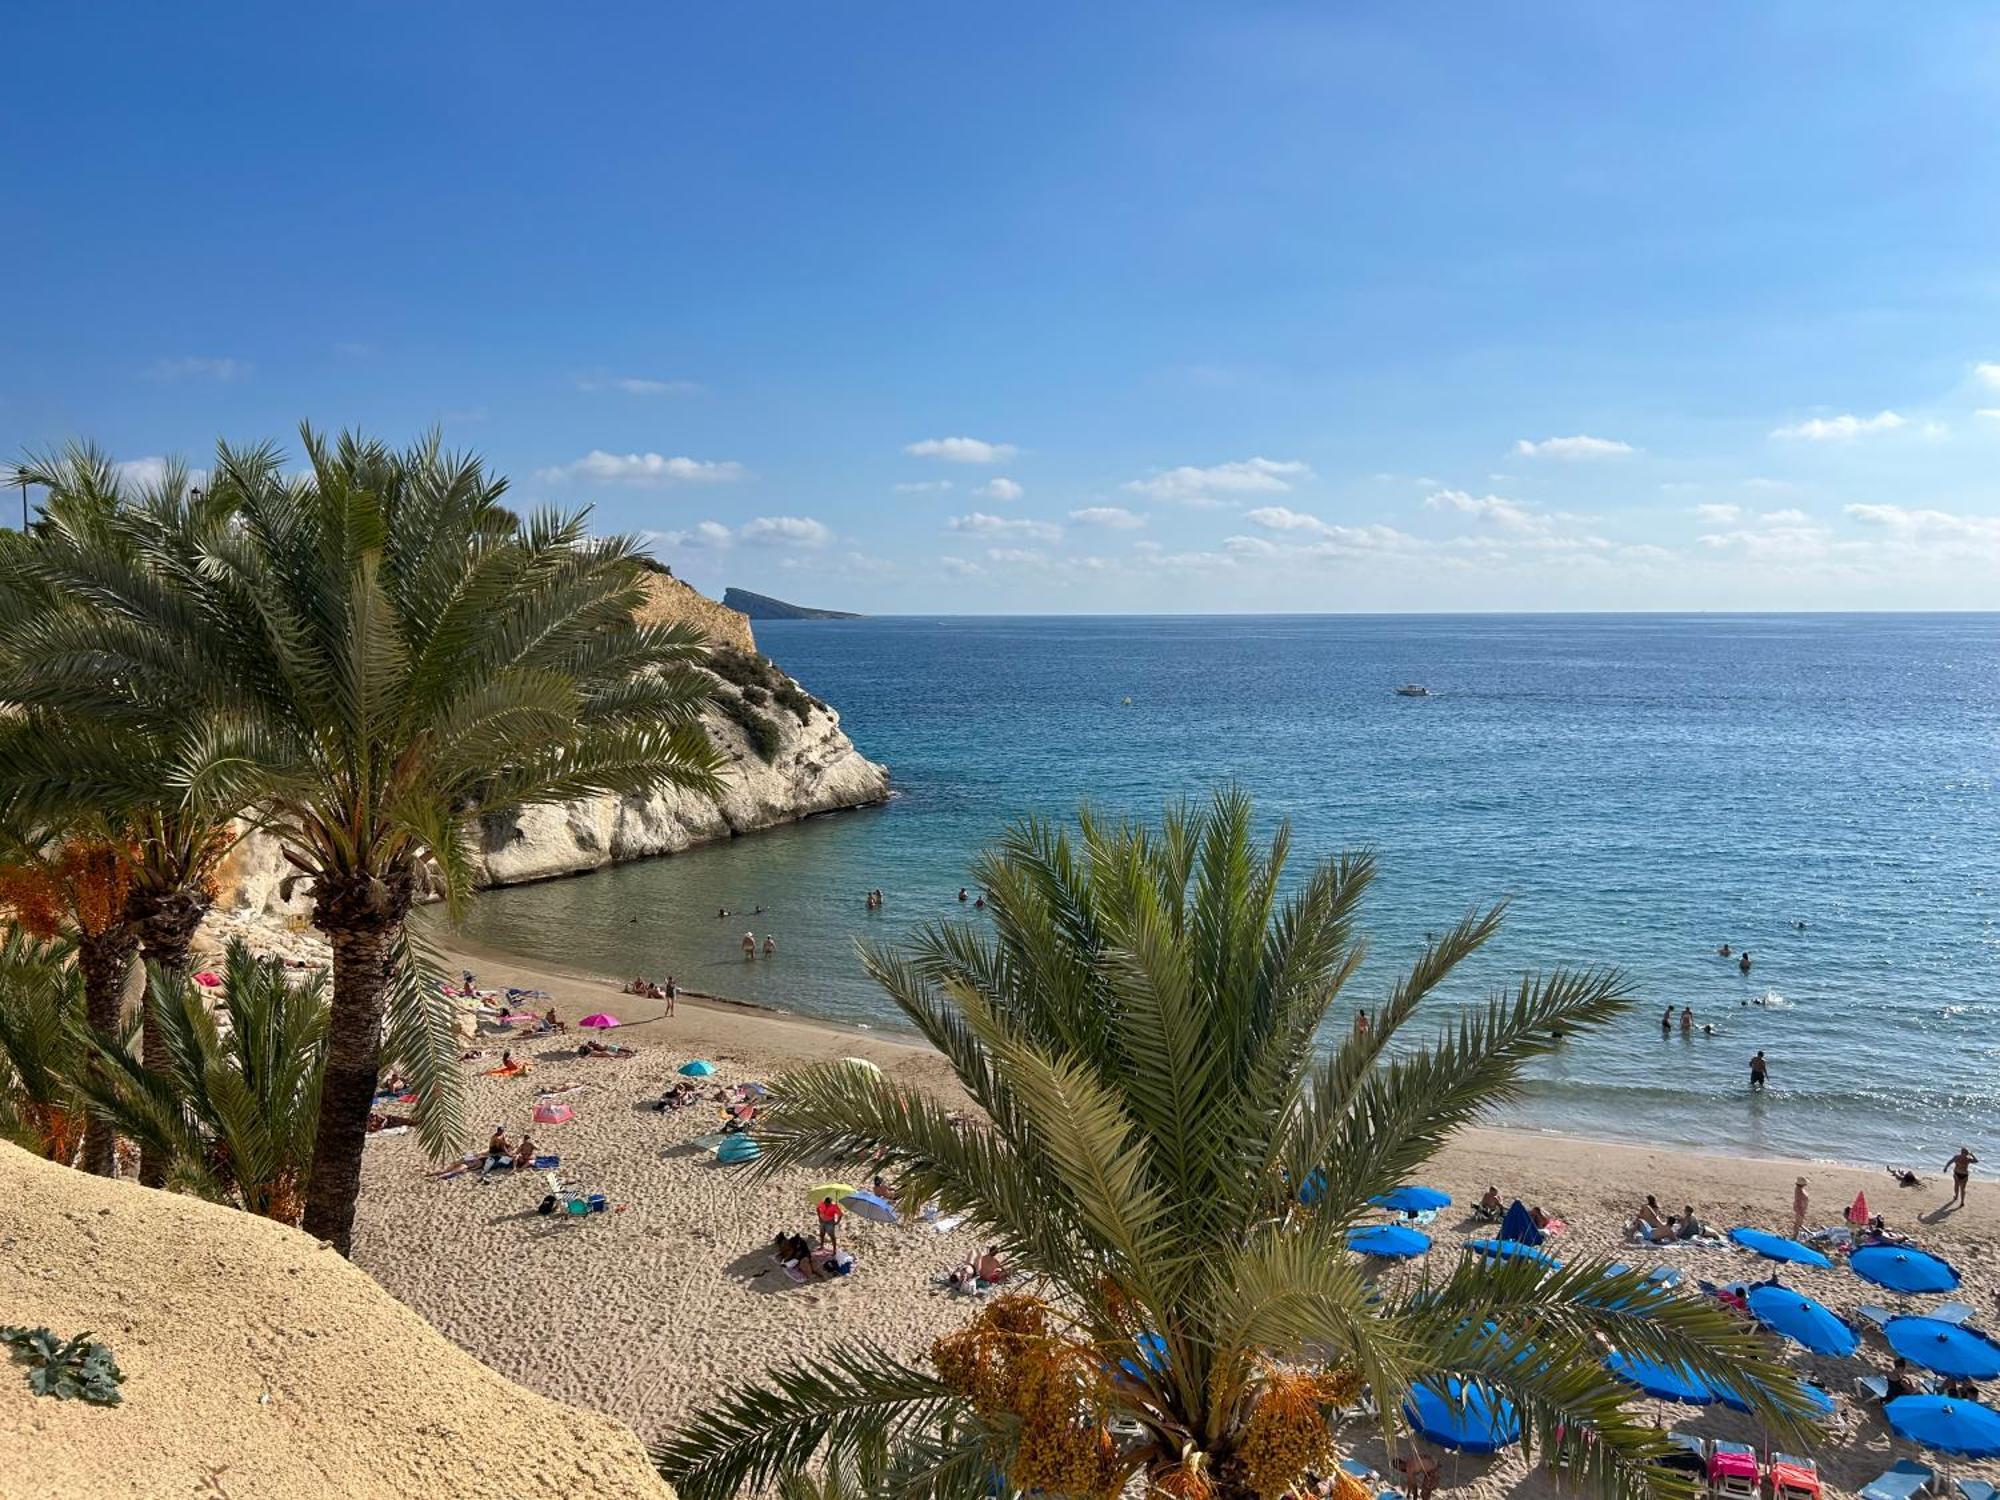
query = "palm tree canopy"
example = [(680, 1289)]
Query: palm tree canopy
[(1141, 1030), (236, 1114), (374, 650)]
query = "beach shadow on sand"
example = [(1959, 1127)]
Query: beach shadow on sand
[(756, 1270)]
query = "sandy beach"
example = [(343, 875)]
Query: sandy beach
[(648, 1311)]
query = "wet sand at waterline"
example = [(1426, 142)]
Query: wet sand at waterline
[(650, 1311)]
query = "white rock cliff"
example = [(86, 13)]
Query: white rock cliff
[(811, 767)]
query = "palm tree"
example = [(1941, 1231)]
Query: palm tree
[(41, 1003), (235, 1116), (1172, 1164), (172, 783), (72, 887), (388, 653)]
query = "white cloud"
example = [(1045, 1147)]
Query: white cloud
[(1016, 557), (1987, 372), (924, 487), (979, 523), (1114, 517), (1914, 524), (959, 566), (1840, 429), (1496, 510), (764, 531), (1282, 518), (1718, 515), (1790, 516), (1000, 489), (638, 385), (785, 531), (196, 367), (1580, 446), (642, 470), (1191, 485), (961, 450), (1989, 413)]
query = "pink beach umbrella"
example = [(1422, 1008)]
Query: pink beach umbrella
[(208, 979), (606, 1022)]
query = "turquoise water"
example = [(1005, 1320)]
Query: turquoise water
[(1644, 788)]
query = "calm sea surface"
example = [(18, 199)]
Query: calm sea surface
[(1644, 788)]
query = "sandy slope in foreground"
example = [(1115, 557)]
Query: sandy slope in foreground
[(258, 1364), (647, 1313)]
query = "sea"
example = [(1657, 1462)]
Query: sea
[(1817, 789)]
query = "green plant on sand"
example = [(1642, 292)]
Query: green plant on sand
[(67, 1369), (1172, 1165)]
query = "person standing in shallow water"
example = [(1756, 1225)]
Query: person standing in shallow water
[(749, 945), (1758, 1069), (1743, 963)]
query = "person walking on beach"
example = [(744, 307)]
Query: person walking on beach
[(1758, 1069), (670, 992), (1961, 1174), (829, 1222), (1801, 1206)]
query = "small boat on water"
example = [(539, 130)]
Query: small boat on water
[(1413, 690)]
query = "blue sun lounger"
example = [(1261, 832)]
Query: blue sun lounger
[(1905, 1480)]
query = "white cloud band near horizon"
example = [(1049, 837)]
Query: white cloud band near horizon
[(961, 450), (642, 470)]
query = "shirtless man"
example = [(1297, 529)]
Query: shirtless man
[(1961, 1173), (1801, 1205)]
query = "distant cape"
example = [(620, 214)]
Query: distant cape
[(763, 607)]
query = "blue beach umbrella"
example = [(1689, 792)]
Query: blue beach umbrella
[(1948, 1348), (1389, 1241), (1902, 1269), (1412, 1200), (697, 1069), (1777, 1247), (736, 1149), (1802, 1320), (1470, 1418), (1512, 1250), (1152, 1353), (870, 1206), (1313, 1188), (1663, 1382), (1962, 1427)]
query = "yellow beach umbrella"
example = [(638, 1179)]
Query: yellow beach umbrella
[(832, 1190)]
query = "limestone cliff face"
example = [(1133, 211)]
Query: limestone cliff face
[(813, 768), (788, 759)]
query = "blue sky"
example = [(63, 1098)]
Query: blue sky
[(1105, 307)]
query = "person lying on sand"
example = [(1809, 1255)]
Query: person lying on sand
[(1905, 1177), (1546, 1220), (594, 1048), (378, 1122)]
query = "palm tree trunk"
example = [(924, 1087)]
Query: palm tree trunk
[(363, 963), (105, 960), (166, 920)]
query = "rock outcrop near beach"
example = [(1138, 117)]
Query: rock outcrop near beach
[(784, 764), (259, 1363), (788, 758)]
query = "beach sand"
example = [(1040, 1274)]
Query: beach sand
[(648, 1312)]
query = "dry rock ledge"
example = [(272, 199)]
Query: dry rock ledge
[(259, 1363), (811, 767)]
